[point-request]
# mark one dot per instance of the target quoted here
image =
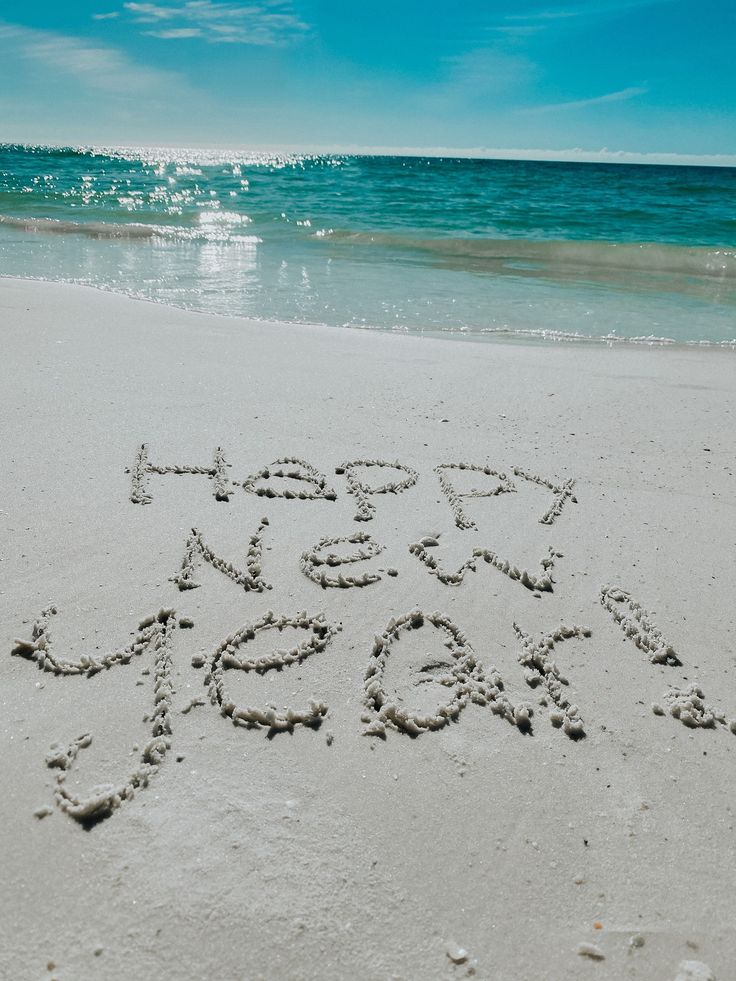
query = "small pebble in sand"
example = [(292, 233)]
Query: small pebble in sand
[(329, 738), (197, 660), (50, 966), (694, 971), (456, 953), (40, 813), (395, 572), (657, 709), (186, 623), (590, 950), (636, 941), (98, 951)]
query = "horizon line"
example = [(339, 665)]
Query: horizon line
[(569, 155)]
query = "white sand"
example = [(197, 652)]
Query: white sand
[(472, 848)]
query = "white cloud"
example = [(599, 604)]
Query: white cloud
[(174, 33), (622, 95), (99, 66), (268, 22), (111, 16), (594, 9)]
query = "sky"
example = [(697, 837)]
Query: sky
[(595, 79)]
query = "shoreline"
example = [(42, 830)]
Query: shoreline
[(538, 336), (486, 756)]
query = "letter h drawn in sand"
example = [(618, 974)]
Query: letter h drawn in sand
[(142, 468)]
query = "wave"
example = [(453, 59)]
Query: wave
[(214, 226), (647, 257)]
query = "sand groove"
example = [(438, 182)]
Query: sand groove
[(637, 624), (140, 494), (155, 633), (505, 486), (295, 470), (314, 564), (362, 491), (537, 582), (226, 657), (250, 579), (561, 493), (464, 676), (541, 669)]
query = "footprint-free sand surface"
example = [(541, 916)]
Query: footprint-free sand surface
[(330, 654)]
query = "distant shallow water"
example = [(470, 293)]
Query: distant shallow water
[(471, 247)]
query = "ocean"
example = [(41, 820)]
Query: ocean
[(482, 248)]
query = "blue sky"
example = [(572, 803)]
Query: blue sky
[(648, 76)]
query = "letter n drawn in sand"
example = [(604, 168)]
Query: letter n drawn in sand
[(143, 468), (197, 550)]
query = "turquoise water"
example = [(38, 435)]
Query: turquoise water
[(403, 243)]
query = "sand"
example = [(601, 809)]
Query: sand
[(419, 723)]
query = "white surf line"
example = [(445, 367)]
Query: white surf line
[(197, 549), (140, 493), (296, 469), (362, 491), (464, 676), (315, 564), (226, 657)]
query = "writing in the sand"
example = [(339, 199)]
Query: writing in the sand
[(458, 672)]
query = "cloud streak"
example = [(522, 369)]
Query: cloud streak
[(622, 95), (587, 10), (99, 66), (268, 23)]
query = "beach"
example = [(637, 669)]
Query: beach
[(484, 730)]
